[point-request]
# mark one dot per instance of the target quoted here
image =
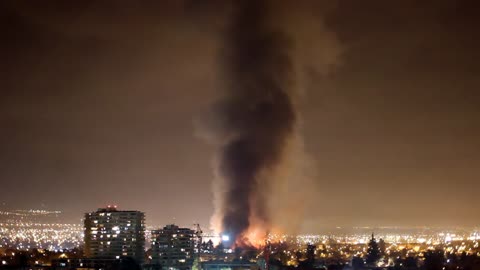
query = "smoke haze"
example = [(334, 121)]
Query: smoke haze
[(97, 95)]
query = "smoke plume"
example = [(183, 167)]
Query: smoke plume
[(258, 115), (256, 124)]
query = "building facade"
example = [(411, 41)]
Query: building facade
[(173, 248), (114, 234)]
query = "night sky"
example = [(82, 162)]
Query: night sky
[(100, 103)]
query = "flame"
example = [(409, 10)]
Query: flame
[(254, 237), (257, 236)]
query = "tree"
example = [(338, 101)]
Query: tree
[(298, 256), (411, 262), (219, 249), (373, 252), (310, 258), (434, 260), (238, 252), (357, 263), (209, 246), (311, 254), (382, 246)]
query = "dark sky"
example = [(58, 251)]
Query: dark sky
[(99, 101)]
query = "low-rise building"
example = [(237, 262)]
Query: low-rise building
[(173, 247)]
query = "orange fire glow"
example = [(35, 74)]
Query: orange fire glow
[(257, 236)]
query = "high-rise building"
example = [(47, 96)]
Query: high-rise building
[(173, 248), (112, 234)]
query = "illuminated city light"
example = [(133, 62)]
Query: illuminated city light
[(225, 238)]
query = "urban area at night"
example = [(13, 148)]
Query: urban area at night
[(239, 135), (36, 237)]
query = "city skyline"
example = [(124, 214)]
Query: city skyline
[(111, 237), (103, 104)]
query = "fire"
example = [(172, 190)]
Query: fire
[(257, 236), (254, 237)]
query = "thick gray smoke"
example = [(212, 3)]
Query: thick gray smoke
[(261, 175), (258, 113)]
